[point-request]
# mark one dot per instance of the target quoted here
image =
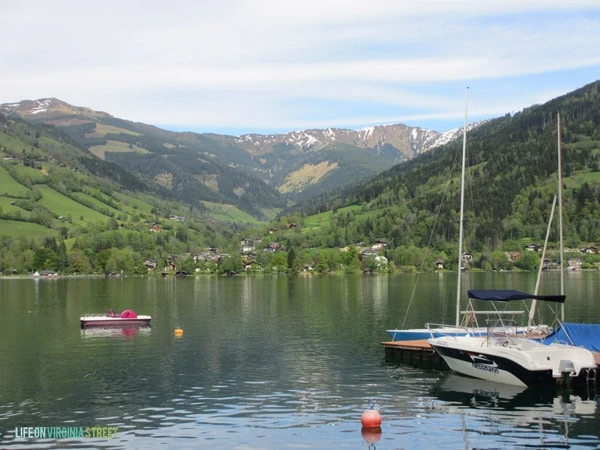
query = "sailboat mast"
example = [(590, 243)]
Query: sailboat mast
[(462, 210), (560, 220), (540, 268)]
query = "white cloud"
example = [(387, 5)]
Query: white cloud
[(264, 65)]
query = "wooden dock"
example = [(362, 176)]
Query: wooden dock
[(416, 353)]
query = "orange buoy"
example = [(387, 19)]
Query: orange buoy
[(370, 419), (371, 435), (178, 332)]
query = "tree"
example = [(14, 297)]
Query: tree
[(291, 257), (44, 259), (231, 264), (500, 261), (350, 256), (79, 263), (529, 261), (278, 262)]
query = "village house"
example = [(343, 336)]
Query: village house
[(575, 263), (365, 253), (378, 245), (513, 256), (252, 266), (249, 245), (467, 257), (272, 247)]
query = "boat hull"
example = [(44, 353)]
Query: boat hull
[(114, 322), (477, 363)]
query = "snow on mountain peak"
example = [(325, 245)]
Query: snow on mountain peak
[(368, 132), (40, 106)]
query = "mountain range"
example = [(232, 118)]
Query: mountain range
[(86, 192), (259, 174)]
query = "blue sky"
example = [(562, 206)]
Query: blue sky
[(244, 66)]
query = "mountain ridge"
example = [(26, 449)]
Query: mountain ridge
[(285, 162), (369, 137)]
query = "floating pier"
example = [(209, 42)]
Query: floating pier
[(416, 353)]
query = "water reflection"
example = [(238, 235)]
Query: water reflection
[(476, 393), (519, 417), (265, 362), (116, 332)]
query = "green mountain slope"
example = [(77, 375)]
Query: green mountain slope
[(511, 179), (177, 162), (62, 208)]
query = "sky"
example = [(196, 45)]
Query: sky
[(272, 66)]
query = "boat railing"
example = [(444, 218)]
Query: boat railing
[(471, 318), (97, 314), (434, 326)]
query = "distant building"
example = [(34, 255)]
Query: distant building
[(379, 245), (272, 247), (575, 263)]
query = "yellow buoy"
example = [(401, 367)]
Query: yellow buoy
[(178, 332)]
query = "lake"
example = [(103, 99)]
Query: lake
[(265, 363)]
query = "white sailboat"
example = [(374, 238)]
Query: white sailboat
[(502, 356), (469, 324), (413, 334), (579, 334)]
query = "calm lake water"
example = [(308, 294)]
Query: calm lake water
[(266, 363)]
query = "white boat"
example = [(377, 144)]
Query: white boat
[(503, 357)]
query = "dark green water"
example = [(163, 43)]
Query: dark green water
[(265, 362)]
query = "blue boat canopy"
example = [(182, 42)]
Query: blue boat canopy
[(585, 335), (508, 295)]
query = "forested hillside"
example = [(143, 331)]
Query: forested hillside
[(511, 179)]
